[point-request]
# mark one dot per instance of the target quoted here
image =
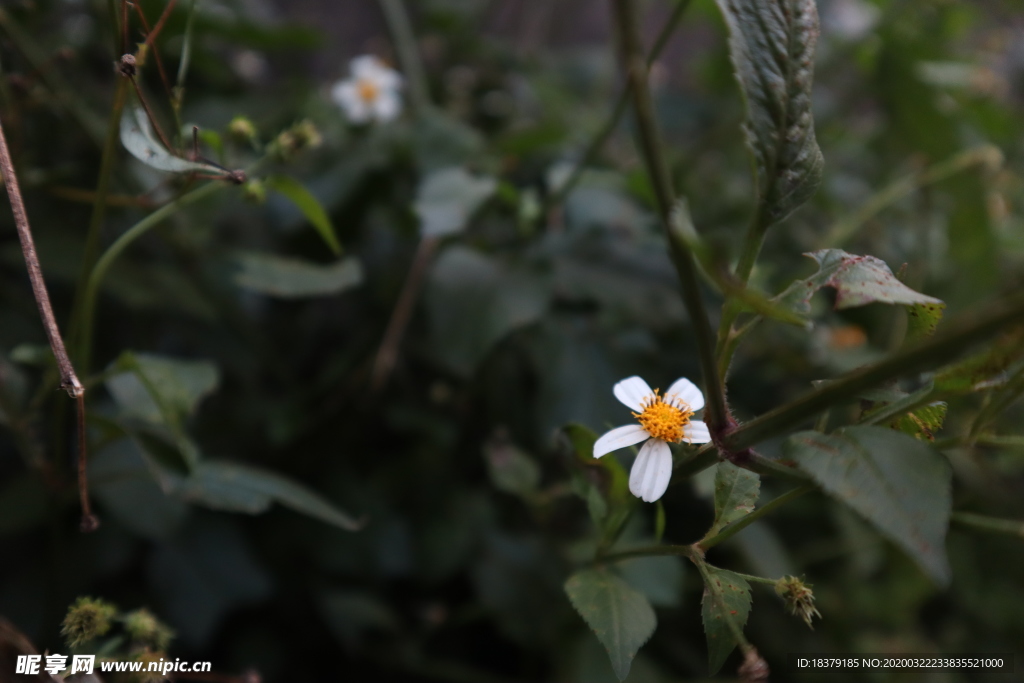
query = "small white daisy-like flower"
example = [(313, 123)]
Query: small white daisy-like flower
[(371, 93), (664, 418)]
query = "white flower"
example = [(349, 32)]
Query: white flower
[(663, 418), (371, 93)]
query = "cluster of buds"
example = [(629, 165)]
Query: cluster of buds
[(302, 136)]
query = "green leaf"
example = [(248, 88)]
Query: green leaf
[(235, 487), (474, 301), (725, 607), (858, 280), (896, 482), (309, 206), (121, 477), (160, 389), (138, 137), (905, 412), (659, 578), (922, 321), (511, 470), (602, 482), (289, 278), (736, 492), (621, 617), (771, 43), (448, 197), (922, 423)]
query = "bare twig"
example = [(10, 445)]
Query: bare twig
[(151, 36), (388, 352), (68, 379)]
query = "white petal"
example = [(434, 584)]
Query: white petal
[(346, 95), (632, 391), (388, 106), (620, 437), (365, 66), (651, 471), (696, 432), (686, 391)]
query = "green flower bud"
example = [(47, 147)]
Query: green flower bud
[(242, 129), (255, 192), (87, 619), (143, 627)]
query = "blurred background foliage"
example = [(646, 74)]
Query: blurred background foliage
[(522, 324)]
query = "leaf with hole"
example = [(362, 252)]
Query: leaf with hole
[(621, 617), (725, 607), (772, 43), (896, 482)]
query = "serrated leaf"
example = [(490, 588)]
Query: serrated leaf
[(771, 43), (290, 278), (896, 482), (620, 616), (308, 204), (858, 280), (448, 197), (736, 492), (138, 137), (235, 487), (726, 599)]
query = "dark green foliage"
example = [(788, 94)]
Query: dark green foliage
[(269, 501)]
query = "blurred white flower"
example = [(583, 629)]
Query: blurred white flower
[(371, 93), (663, 419)]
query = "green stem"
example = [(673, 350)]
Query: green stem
[(739, 525), (92, 239), (907, 404), (752, 578), (843, 230), (964, 331), (186, 55), (115, 249), (652, 149), (994, 525), (404, 39), (648, 551), (612, 122)]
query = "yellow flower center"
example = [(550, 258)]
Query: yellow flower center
[(663, 420), (368, 90)]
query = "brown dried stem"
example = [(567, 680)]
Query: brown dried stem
[(388, 352), (68, 378)]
